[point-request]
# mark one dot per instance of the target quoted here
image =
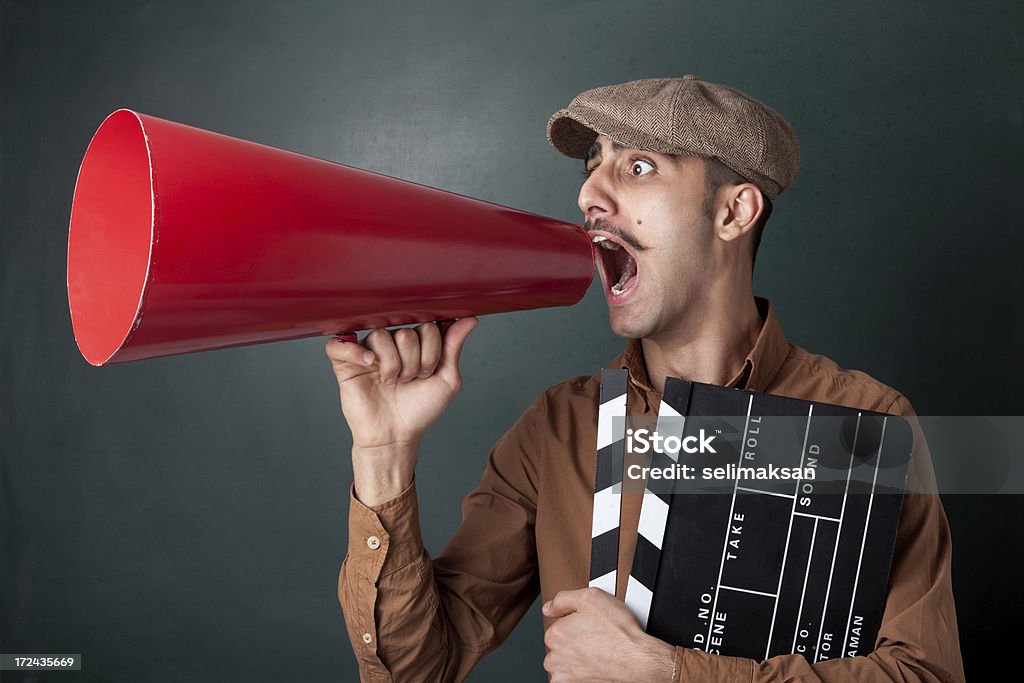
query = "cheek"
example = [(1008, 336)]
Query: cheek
[(684, 253)]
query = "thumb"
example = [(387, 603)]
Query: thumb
[(454, 339), (565, 602)]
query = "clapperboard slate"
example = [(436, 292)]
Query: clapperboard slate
[(757, 567)]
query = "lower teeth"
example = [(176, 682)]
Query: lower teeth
[(617, 287)]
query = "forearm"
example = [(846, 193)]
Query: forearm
[(387, 592), (434, 619)]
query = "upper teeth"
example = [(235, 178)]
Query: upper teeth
[(605, 242)]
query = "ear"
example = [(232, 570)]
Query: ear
[(741, 207)]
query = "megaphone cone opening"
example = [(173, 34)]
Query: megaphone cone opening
[(110, 239)]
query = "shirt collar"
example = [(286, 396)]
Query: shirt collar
[(759, 369)]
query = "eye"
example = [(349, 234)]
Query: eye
[(640, 167)]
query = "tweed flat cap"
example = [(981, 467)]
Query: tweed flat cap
[(684, 116)]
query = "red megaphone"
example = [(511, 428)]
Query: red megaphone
[(185, 240)]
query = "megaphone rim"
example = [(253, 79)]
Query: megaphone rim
[(99, 343)]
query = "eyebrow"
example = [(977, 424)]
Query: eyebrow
[(596, 149)]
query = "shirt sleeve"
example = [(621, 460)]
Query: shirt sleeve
[(918, 638), (411, 618)]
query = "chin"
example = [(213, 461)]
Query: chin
[(628, 329)]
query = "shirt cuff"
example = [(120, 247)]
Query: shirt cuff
[(386, 537), (697, 665)]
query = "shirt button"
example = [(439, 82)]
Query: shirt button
[(373, 542), (367, 638)]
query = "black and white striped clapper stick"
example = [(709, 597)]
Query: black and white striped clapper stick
[(604, 533), (654, 506)]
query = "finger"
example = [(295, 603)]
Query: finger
[(408, 344), (343, 351), (383, 346), (430, 348), (454, 339)]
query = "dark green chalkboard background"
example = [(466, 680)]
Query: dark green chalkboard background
[(184, 518)]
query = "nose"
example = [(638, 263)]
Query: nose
[(596, 199)]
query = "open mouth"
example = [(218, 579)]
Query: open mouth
[(617, 264)]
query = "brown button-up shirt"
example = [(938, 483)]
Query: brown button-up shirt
[(526, 530)]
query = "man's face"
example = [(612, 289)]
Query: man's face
[(645, 211)]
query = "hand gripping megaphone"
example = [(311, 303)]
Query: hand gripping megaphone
[(186, 240)]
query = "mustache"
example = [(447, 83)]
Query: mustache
[(606, 226)]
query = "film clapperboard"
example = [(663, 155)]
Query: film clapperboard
[(756, 567)]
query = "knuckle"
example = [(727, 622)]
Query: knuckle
[(380, 342), (405, 336)]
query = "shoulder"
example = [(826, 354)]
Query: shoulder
[(567, 397), (560, 419), (816, 377), (562, 414)]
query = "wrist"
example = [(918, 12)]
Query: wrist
[(380, 473), (384, 452), (659, 660)]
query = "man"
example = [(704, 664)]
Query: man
[(681, 174)]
